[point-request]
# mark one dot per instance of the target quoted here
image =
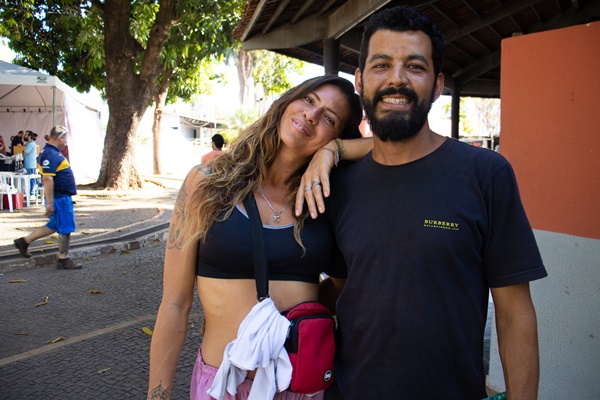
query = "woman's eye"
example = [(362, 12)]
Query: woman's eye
[(309, 99), (329, 120)]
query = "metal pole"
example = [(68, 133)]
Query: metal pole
[(53, 106)]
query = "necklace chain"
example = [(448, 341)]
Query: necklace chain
[(276, 215)]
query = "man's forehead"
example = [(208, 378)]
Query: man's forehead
[(386, 41)]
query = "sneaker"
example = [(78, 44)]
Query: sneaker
[(22, 245), (66, 263)]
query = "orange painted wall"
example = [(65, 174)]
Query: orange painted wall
[(550, 126)]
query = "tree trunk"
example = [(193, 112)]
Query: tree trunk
[(244, 63), (160, 99), (128, 92), (156, 145)]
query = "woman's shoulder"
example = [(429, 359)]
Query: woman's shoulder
[(197, 173), (192, 180)]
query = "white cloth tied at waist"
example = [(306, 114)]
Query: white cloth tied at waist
[(258, 346)]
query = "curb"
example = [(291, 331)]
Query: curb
[(84, 252)]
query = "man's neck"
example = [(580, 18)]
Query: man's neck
[(405, 151)]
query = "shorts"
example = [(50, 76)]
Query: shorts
[(204, 375), (63, 219)]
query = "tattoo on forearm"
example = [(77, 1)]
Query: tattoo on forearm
[(159, 394)]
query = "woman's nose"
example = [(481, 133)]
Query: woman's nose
[(311, 115)]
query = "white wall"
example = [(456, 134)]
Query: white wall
[(568, 310)]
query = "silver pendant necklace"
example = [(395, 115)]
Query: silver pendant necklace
[(276, 215)]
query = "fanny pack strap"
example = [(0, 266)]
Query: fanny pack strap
[(261, 273)]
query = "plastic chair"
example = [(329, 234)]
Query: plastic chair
[(7, 188), (39, 195), (38, 191)]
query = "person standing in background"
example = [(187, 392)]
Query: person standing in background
[(16, 140), (2, 146), (30, 160), (59, 186), (217, 143)]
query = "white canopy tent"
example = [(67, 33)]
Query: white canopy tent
[(35, 101)]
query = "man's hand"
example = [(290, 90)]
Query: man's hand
[(49, 209)]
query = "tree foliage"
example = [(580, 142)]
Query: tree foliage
[(238, 121), (63, 38), (271, 71), (132, 51), (264, 73)]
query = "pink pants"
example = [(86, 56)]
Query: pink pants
[(203, 376)]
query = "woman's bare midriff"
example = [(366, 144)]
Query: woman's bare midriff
[(226, 302)]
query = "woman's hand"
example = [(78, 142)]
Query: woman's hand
[(314, 185)]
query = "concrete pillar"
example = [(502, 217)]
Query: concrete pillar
[(331, 56)]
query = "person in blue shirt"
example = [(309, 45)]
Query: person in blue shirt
[(59, 186), (30, 159)]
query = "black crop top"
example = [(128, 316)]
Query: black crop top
[(228, 251)]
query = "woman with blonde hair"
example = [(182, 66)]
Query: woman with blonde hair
[(210, 243)]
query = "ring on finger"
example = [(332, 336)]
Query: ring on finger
[(315, 183), (307, 188)]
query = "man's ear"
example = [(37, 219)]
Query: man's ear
[(358, 80), (439, 86)]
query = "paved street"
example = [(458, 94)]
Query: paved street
[(104, 354)]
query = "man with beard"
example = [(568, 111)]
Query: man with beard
[(427, 226)]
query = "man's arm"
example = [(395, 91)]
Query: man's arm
[(516, 324), (48, 182)]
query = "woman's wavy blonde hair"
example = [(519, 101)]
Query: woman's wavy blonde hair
[(237, 173)]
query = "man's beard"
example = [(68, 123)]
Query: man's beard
[(397, 126)]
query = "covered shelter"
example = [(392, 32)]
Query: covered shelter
[(35, 101), (329, 33)]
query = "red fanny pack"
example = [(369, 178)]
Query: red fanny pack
[(311, 347), (310, 342)]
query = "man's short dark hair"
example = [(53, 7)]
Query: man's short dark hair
[(218, 140), (402, 19)]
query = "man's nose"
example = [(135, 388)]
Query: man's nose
[(398, 75)]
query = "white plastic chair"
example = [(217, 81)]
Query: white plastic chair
[(38, 190), (7, 188)]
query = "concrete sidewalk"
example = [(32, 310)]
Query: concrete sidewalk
[(106, 221)]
